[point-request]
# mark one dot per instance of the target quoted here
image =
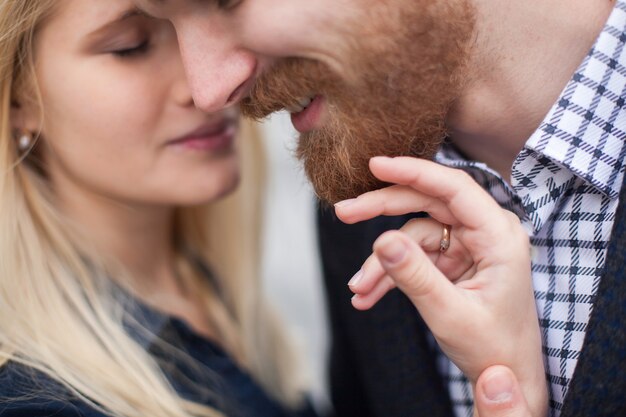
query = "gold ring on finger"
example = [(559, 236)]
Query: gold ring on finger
[(444, 243)]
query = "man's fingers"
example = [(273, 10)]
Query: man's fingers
[(371, 282), (498, 394), (466, 200), (449, 195), (367, 300), (392, 201), (429, 290), (425, 232), (367, 277), (455, 262)]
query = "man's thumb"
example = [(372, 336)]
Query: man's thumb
[(419, 279), (498, 394)]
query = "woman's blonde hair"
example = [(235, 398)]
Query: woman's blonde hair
[(57, 317)]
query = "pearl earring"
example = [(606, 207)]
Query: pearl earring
[(23, 143)]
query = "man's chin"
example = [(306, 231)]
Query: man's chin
[(336, 165), (336, 191)]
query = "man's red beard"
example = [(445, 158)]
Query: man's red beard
[(404, 72)]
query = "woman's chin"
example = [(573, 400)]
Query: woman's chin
[(205, 194)]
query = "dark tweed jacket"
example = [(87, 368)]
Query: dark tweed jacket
[(381, 362)]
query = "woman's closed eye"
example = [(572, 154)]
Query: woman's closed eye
[(228, 4), (133, 51)]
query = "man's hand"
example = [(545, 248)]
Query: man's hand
[(476, 296)]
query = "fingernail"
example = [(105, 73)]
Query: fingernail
[(392, 251), (345, 203), (498, 387), (380, 158), (356, 278)]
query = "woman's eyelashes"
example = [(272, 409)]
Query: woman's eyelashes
[(228, 4), (133, 51)]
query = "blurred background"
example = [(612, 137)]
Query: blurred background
[(291, 271)]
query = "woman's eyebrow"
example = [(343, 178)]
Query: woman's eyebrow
[(127, 14), (160, 7), (165, 2), (122, 17)]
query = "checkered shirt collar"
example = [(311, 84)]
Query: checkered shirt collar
[(582, 136), (585, 131)]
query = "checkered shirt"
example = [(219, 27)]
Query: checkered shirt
[(564, 187)]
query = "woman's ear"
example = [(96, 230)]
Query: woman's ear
[(24, 117), (25, 124)]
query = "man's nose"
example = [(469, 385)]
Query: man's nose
[(218, 75)]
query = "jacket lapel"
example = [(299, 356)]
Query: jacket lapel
[(382, 363), (599, 384)]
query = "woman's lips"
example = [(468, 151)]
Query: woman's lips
[(217, 136), (309, 118)]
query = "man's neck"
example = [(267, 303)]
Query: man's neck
[(524, 55)]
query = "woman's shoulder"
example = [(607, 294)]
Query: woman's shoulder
[(25, 392)]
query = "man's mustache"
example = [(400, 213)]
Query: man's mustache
[(284, 86)]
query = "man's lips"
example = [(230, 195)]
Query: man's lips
[(310, 118), (214, 136)]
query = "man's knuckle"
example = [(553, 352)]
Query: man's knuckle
[(419, 281), (463, 177)]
